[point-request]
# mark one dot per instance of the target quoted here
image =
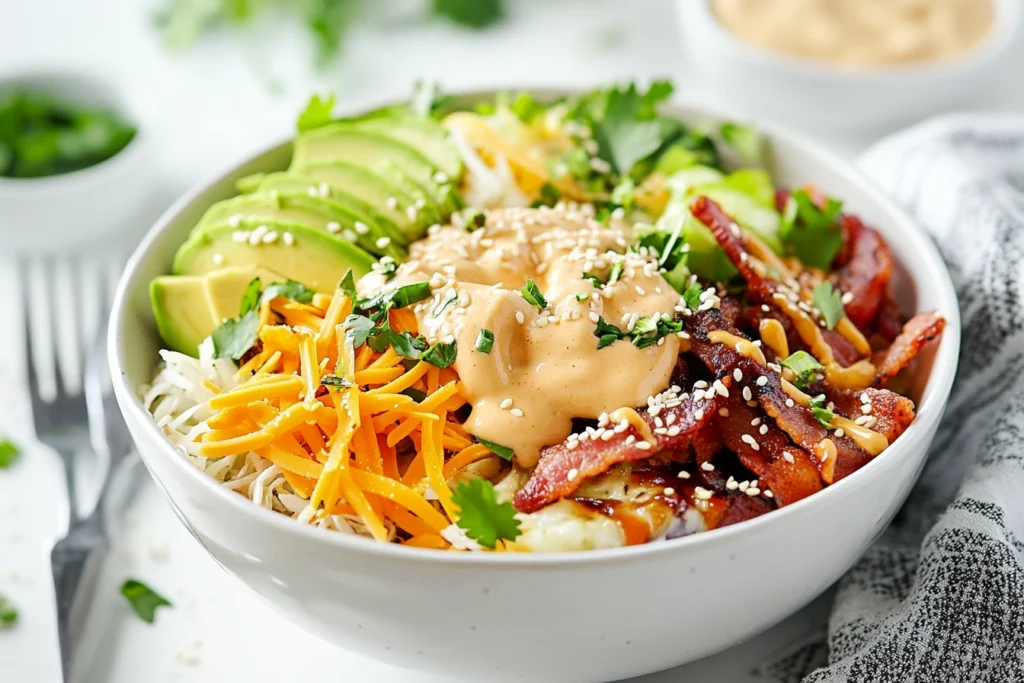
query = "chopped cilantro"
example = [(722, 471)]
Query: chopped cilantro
[(549, 196), (348, 283), (476, 14), (335, 381), (615, 273), (440, 355), (628, 129), (290, 289), (624, 194), (496, 448), (234, 337), (745, 139), (484, 519), (811, 234), (829, 303), (415, 394), (317, 113), (582, 296), (593, 278), (531, 292), (398, 298), (526, 107), (806, 367), (484, 341), (143, 599), (8, 453), (251, 297), (406, 344), (358, 328), (607, 334), (475, 219), (8, 613), (692, 296)]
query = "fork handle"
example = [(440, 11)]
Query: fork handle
[(67, 458), (76, 561)]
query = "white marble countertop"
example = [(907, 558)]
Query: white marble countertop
[(203, 110)]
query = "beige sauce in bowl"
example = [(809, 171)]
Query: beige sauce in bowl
[(860, 34), (544, 367)]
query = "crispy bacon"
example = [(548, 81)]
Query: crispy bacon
[(787, 471), (892, 413), (562, 470), (797, 421), (737, 507), (867, 273), (889, 321), (844, 352), (918, 331)]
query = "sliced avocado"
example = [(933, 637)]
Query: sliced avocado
[(357, 200), (425, 135), (225, 287), (378, 153), (316, 258), (396, 201), (313, 211), (182, 311)]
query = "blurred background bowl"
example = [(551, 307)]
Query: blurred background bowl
[(65, 211), (821, 95)]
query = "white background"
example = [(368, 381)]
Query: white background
[(201, 111)]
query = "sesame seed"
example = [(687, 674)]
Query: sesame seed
[(683, 475), (288, 239), (235, 220), (866, 409), (707, 467), (768, 493), (732, 484), (506, 404), (518, 412), (762, 380), (840, 433), (218, 259), (520, 318), (789, 403), (862, 420), (864, 398), (699, 413), (669, 491), (846, 298), (594, 317), (572, 474), (763, 429), (787, 456), (720, 388), (737, 375), (383, 242), (640, 290), (753, 491), (756, 421), (643, 445), (333, 227), (724, 412), (701, 493), (747, 395), (764, 307), (361, 228), (270, 237), (749, 440)]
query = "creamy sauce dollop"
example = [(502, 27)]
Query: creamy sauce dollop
[(860, 33), (544, 368)]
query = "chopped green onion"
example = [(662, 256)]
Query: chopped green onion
[(485, 341)]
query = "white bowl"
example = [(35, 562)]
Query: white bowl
[(827, 97), (589, 616), (69, 210)]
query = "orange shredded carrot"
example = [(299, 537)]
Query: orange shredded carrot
[(467, 456), (427, 541)]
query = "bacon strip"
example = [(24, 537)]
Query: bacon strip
[(892, 413), (889, 321), (798, 422), (738, 507), (918, 331), (866, 276), (562, 470), (788, 471)]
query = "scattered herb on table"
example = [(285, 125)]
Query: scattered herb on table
[(143, 599), (8, 453), (8, 613)]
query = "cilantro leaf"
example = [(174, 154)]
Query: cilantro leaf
[(496, 448), (317, 113), (606, 333), (440, 355), (484, 519), (407, 344), (143, 599), (811, 234), (348, 283), (358, 329), (549, 196), (806, 367), (290, 289), (475, 219), (625, 124), (829, 303), (398, 298), (745, 139), (531, 292), (415, 394), (484, 341), (526, 108), (8, 613), (615, 273), (820, 412), (593, 278), (476, 14), (234, 337), (335, 382), (624, 193), (692, 296), (251, 297), (8, 453)]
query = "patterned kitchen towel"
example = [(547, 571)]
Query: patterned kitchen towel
[(940, 596)]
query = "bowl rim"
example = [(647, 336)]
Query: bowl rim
[(42, 79), (929, 411), (999, 39)]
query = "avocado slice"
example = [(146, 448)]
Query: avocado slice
[(378, 153), (188, 308), (315, 257), (425, 135), (313, 211), (395, 201)]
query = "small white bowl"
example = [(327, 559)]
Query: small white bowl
[(828, 97), (69, 210), (564, 618)]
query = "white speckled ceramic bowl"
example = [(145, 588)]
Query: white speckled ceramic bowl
[(593, 616)]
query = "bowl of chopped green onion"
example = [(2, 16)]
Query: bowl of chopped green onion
[(68, 145)]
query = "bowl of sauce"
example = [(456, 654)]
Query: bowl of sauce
[(852, 63)]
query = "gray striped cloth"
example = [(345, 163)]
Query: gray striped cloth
[(940, 596)]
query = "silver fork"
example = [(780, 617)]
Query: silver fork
[(62, 420)]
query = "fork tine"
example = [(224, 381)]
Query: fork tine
[(25, 282), (51, 266)]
